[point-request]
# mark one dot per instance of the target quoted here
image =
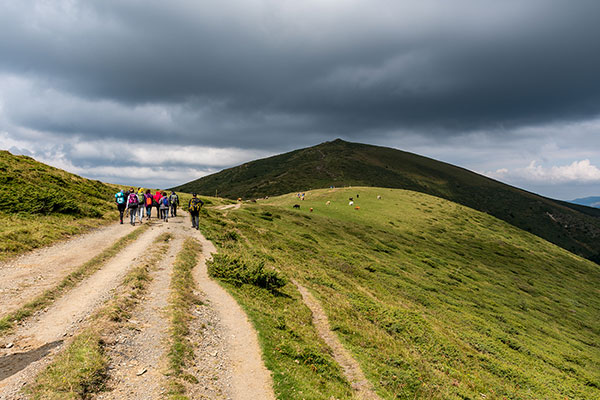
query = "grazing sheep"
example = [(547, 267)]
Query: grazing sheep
[(351, 198), (311, 210), (328, 203), (351, 203), (378, 197), (296, 205)]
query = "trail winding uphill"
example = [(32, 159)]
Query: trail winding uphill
[(227, 361)]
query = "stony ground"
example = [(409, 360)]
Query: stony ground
[(137, 350)]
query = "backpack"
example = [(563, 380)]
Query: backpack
[(133, 200), (174, 199), (165, 201), (120, 198), (148, 201), (195, 205)]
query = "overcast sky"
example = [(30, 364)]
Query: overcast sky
[(157, 93)]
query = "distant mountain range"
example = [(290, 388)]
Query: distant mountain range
[(588, 201), (339, 163)]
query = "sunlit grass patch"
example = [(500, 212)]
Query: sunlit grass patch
[(433, 299)]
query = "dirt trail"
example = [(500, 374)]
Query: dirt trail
[(228, 359), (250, 378), (30, 275), (66, 315), (137, 351), (228, 207), (362, 387)]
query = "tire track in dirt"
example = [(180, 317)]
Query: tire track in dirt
[(30, 275), (362, 387), (66, 315), (137, 350), (250, 379), (228, 359)]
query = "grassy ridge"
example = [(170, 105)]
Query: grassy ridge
[(339, 163), (40, 204), (435, 300)]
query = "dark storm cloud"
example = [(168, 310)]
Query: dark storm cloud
[(247, 72)]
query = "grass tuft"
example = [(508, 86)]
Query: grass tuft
[(181, 300)]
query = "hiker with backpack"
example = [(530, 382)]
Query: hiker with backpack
[(132, 205), (156, 203), (174, 201), (141, 204), (120, 200), (164, 207), (194, 207), (148, 203)]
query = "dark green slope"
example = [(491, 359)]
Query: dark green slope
[(40, 204), (339, 163)]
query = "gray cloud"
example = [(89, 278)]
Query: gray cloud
[(274, 75)]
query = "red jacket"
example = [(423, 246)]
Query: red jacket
[(157, 197)]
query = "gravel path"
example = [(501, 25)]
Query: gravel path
[(228, 361), (49, 328), (30, 275), (137, 350)]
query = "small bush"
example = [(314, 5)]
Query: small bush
[(238, 271), (33, 200)]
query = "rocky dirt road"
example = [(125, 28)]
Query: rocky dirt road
[(228, 361)]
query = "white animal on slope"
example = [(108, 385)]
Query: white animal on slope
[(351, 203), (328, 203)]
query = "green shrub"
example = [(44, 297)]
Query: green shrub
[(238, 271)]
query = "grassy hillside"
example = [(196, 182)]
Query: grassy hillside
[(435, 300), (40, 204), (338, 163)]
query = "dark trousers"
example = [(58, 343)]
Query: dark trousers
[(195, 220), (121, 208)]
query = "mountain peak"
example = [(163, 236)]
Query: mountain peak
[(340, 163)]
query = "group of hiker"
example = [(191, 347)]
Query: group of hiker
[(139, 203)]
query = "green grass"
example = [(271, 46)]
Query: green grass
[(8, 321), (40, 205), (342, 164), (181, 300), (435, 300), (81, 369), (77, 372)]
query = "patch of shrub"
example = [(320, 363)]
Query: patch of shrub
[(238, 270), (32, 200)]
